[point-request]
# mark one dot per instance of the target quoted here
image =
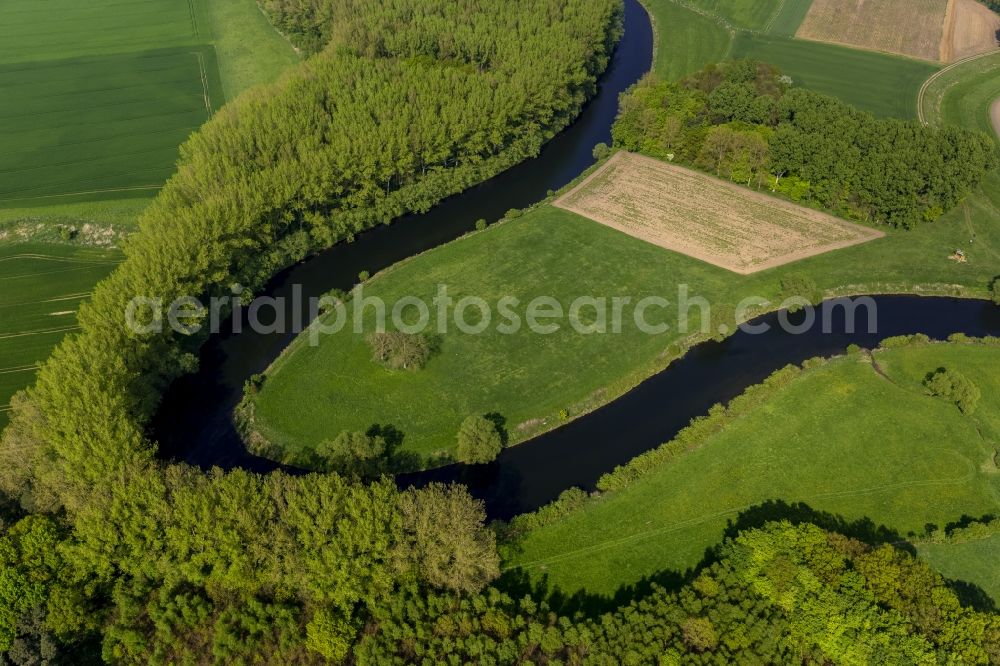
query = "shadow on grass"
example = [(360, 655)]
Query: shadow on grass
[(518, 583)]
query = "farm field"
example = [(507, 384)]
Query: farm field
[(789, 17), (972, 28), (883, 84), (99, 97), (685, 40), (41, 287), (713, 220), (824, 440), (746, 14), (913, 28)]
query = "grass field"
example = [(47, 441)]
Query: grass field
[(912, 28), (789, 17), (41, 286), (974, 562), (884, 84), (713, 220), (97, 98), (840, 438), (685, 40), (744, 14)]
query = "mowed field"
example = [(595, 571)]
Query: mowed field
[(98, 97), (712, 220), (41, 287), (883, 84), (841, 438), (905, 27)]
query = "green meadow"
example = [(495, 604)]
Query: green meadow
[(842, 439), (98, 97), (882, 84), (41, 287), (692, 35)]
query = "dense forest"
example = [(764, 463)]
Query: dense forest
[(124, 557), (743, 121)]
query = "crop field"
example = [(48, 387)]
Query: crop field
[(823, 440), (718, 222), (971, 29), (98, 97), (883, 84), (99, 124), (911, 27), (41, 287)]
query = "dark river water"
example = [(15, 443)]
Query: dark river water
[(194, 423)]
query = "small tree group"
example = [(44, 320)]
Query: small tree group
[(479, 440), (400, 351), (355, 453), (955, 387)]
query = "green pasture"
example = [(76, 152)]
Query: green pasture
[(744, 14), (842, 439), (685, 40), (882, 84), (972, 562), (788, 18), (41, 287)]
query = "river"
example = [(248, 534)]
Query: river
[(194, 423)]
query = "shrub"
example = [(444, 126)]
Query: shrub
[(996, 290), (364, 276), (955, 387), (513, 214), (480, 225), (400, 351), (479, 441), (253, 385), (799, 285)]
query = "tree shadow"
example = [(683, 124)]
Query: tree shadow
[(519, 583), (500, 422)]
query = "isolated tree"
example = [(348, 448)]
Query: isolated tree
[(479, 440), (400, 351), (954, 387), (445, 539), (601, 151)]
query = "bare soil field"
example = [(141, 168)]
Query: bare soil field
[(913, 28), (970, 29), (712, 220)]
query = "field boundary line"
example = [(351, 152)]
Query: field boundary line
[(51, 257), (74, 194), (204, 81), (194, 19), (45, 331), (938, 74), (23, 368), (774, 16)]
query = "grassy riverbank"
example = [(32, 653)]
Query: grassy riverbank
[(865, 444)]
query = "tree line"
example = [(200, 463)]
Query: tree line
[(744, 121), (134, 559)]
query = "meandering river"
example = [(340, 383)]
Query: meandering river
[(194, 423)]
